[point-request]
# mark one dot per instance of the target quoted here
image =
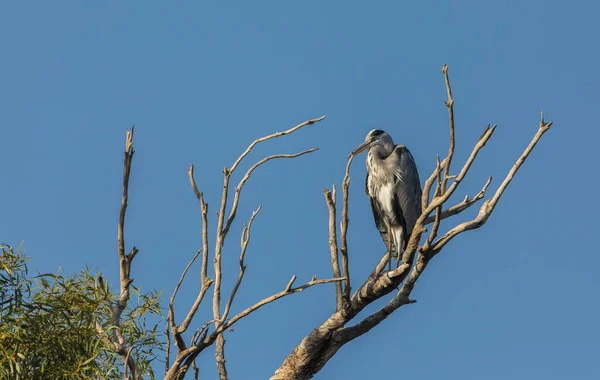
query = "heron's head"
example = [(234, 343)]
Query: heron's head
[(376, 137)]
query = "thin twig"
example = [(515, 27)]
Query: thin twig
[(181, 278), (204, 211), (245, 239), (272, 136), (428, 183), (171, 317), (205, 281), (286, 292), (168, 345), (238, 189), (438, 210), (450, 106), (460, 207), (344, 229), (333, 247)]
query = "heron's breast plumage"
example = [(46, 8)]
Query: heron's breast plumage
[(381, 187)]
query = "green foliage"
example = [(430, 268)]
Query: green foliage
[(48, 325)]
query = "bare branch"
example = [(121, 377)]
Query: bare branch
[(285, 292), (171, 317), (188, 319), (124, 264), (450, 106), (238, 189), (460, 207), (204, 211), (439, 188), (333, 247), (205, 281), (172, 301), (196, 370), (220, 357), (487, 134), (344, 229), (488, 206), (345, 335), (429, 182), (272, 136), (168, 344), (220, 346), (244, 245)]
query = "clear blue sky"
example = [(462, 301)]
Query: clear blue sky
[(517, 299)]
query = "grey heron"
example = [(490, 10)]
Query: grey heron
[(394, 189)]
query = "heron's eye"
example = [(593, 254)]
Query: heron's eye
[(376, 132)]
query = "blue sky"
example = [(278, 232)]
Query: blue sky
[(516, 299)]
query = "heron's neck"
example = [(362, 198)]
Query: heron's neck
[(381, 152)]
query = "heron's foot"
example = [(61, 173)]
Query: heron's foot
[(373, 276)]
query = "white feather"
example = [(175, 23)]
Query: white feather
[(385, 196)]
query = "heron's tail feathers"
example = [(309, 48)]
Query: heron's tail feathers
[(398, 243)]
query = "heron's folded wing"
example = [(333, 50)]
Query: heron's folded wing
[(408, 185)]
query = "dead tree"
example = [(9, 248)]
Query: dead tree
[(317, 348)]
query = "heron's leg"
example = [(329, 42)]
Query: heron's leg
[(390, 245), (397, 235), (402, 245)]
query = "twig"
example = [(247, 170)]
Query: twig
[(450, 106), (168, 345), (286, 292), (238, 189), (196, 370), (344, 229), (205, 281), (438, 210), (272, 136), (333, 247), (244, 245), (429, 182), (442, 183), (171, 317), (204, 211), (460, 207)]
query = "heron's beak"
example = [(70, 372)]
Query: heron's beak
[(360, 148)]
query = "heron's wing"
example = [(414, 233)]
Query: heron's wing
[(377, 214), (408, 185)]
